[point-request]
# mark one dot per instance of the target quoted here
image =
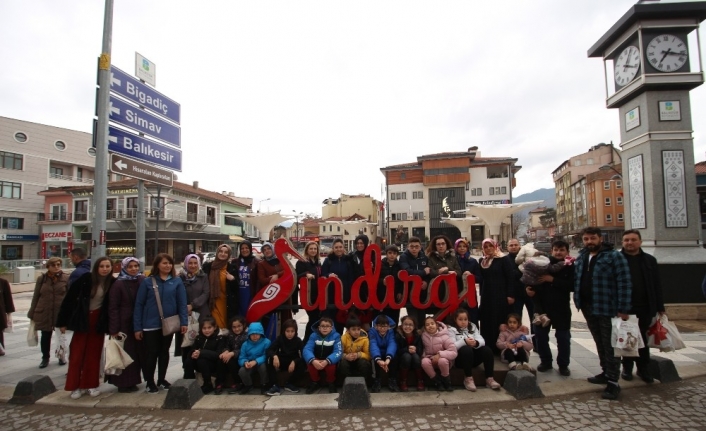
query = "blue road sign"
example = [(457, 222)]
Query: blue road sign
[(132, 89), (135, 118), (137, 147)]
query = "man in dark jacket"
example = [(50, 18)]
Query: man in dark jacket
[(646, 298), (517, 289), (554, 296), (416, 263), (83, 265), (602, 290)]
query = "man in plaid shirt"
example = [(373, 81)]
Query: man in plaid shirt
[(602, 290)]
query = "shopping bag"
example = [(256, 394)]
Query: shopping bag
[(192, 330), (625, 336), (61, 348), (657, 334), (32, 336), (2, 349), (674, 339), (116, 358), (10, 328)]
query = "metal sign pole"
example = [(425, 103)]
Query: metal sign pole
[(140, 220), (100, 185)]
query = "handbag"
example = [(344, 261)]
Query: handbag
[(625, 337), (192, 331), (61, 348), (116, 358), (170, 325)]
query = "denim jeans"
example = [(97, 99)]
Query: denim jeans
[(563, 342)]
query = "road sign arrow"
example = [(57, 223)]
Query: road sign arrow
[(114, 110), (120, 165), (113, 139), (114, 80)]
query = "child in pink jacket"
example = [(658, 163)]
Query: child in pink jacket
[(515, 343), (439, 352)]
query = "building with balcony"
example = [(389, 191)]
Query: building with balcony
[(33, 158), (421, 193), (190, 219), (568, 174)]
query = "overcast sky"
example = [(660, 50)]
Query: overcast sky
[(303, 100)]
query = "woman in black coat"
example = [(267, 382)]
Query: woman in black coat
[(495, 292), (310, 268), (121, 306)]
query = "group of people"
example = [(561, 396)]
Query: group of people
[(92, 303)]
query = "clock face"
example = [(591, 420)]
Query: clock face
[(666, 53), (627, 65)]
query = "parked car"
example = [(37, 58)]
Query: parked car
[(208, 257), (543, 246)]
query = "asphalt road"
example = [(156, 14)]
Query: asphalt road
[(674, 406)]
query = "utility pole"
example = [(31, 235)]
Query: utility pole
[(100, 185)]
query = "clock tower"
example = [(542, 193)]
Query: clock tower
[(652, 60)]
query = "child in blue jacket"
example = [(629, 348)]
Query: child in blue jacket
[(383, 349), (321, 353), (253, 357)]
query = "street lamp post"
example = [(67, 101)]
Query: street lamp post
[(296, 217), (259, 207), (611, 168)]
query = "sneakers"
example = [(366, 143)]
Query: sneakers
[(544, 367), (469, 384), (512, 365), (234, 389), (332, 388), (218, 390), (626, 375), (274, 391), (564, 371), (245, 389), (541, 320), (645, 376), (598, 379), (94, 392), (611, 391), (151, 388), (263, 390), (376, 387), (420, 384), (207, 388), (44, 363), (62, 362), (525, 366), (291, 388), (537, 321), (76, 394), (491, 383), (313, 387), (164, 385), (392, 385)]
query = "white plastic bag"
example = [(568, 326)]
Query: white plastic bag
[(2, 349), (192, 330), (668, 342), (10, 328), (32, 336), (61, 348), (625, 336), (116, 359)]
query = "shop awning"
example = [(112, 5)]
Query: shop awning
[(236, 238)]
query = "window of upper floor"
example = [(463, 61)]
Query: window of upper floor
[(417, 195), (10, 190), (10, 160), (497, 172), (606, 185), (607, 202)]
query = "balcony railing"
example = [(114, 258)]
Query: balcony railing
[(80, 216), (60, 216), (68, 178)]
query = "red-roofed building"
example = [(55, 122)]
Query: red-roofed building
[(420, 194)]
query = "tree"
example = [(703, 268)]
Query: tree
[(518, 219)]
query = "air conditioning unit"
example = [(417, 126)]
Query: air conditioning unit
[(189, 227)]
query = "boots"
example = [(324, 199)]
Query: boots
[(392, 385), (420, 379), (446, 383), (403, 380)]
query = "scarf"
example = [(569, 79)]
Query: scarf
[(186, 275), (53, 276), (214, 276), (123, 271), (488, 259)]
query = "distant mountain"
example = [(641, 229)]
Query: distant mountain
[(546, 195)]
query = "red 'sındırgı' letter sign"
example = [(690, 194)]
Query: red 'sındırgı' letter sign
[(277, 293)]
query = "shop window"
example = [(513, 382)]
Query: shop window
[(11, 252)]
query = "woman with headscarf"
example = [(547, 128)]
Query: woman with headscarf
[(247, 277), (49, 291), (339, 265), (121, 306), (357, 257), (442, 260), (310, 268), (84, 311), (270, 270), (223, 285), (197, 286), (468, 265), (495, 296)]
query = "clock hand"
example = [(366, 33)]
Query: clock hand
[(674, 53), (666, 53)]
